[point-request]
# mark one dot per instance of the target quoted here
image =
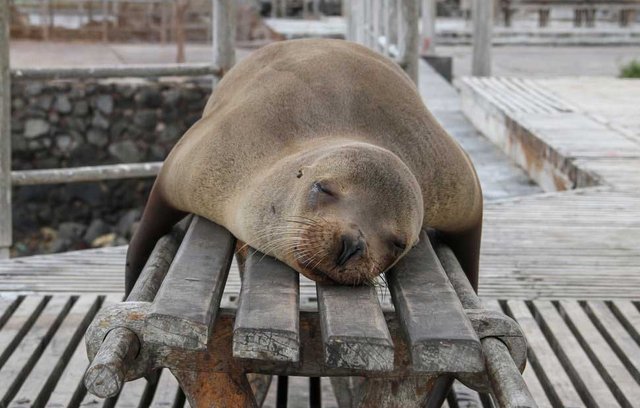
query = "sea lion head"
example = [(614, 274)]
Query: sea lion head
[(339, 214)]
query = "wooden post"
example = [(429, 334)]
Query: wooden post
[(105, 21), (224, 35), (482, 31), (5, 133), (429, 14), (44, 19), (410, 37)]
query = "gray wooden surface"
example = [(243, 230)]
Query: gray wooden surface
[(267, 323), (42, 357)]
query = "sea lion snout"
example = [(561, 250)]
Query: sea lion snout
[(352, 247)]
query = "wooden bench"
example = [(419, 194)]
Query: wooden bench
[(584, 11), (439, 330)]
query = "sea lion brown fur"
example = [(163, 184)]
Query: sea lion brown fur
[(322, 154)]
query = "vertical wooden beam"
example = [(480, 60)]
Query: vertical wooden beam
[(409, 37), (224, 35), (105, 21), (44, 19), (5, 133), (429, 14), (482, 32)]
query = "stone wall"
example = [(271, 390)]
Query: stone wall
[(67, 124)]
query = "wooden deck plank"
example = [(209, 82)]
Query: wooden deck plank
[(616, 335), (18, 324), (167, 391), (624, 387), (27, 352), (629, 315), (43, 377), (585, 376), (70, 390), (132, 394), (554, 379)]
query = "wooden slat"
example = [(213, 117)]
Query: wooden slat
[(8, 304), (26, 354), (132, 394), (585, 376), (624, 387), (439, 333), (70, 390), (187, 302), (18, 324), (555, 380), (617, 336), (529, 375), (45, 374), (354, 331), (267, 325), (167, 391), (629, 316)]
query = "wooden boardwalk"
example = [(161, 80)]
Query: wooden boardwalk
[(580, 354)]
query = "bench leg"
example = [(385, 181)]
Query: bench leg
[(207, 390)]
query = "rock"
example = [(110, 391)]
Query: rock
[(64, 143), (171, 97), (104, 240), (104, 103), (90, 193), (149, 97), (33, 88), (96, 229), (74, 123), (127, 221), (97, 137), (171, 133), (157, 153), (99, 121), (118, 127), (146, 119), (36, 128), (81, 108), (44, 102), (17, 104), (71, 230), (125, 151), (62, 104), (59, 245)]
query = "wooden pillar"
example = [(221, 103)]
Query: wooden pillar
[(429, 14), (44, 19), (410, 37), (5, 133), (482, 32), (163, 21), (224, 35), (105, 21)]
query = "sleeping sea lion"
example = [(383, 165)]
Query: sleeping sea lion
[(321, 154)]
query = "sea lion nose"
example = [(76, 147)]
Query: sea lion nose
[(351, 246)]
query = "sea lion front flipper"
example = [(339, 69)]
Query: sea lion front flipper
[(466, 246), (157, 220)]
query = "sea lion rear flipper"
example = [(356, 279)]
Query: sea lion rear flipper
[(157, 220)]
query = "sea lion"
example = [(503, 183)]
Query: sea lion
[(322, 154)]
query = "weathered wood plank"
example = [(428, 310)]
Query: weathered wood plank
[(70, 390), (45, 374), (619, 380), (132, 394), (187, 302), (167, 391), (18, 324), (585, 376), (5, 133), (354, 332), (617, 336), (439, 333), (629, 316), (27, 352), (267, 325), (543, 360), (8, 304)]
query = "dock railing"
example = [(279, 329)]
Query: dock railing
[(390, 27), (223, 59)]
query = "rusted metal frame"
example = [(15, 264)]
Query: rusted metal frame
[(5, 133), (85, 173), (118, 71)]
